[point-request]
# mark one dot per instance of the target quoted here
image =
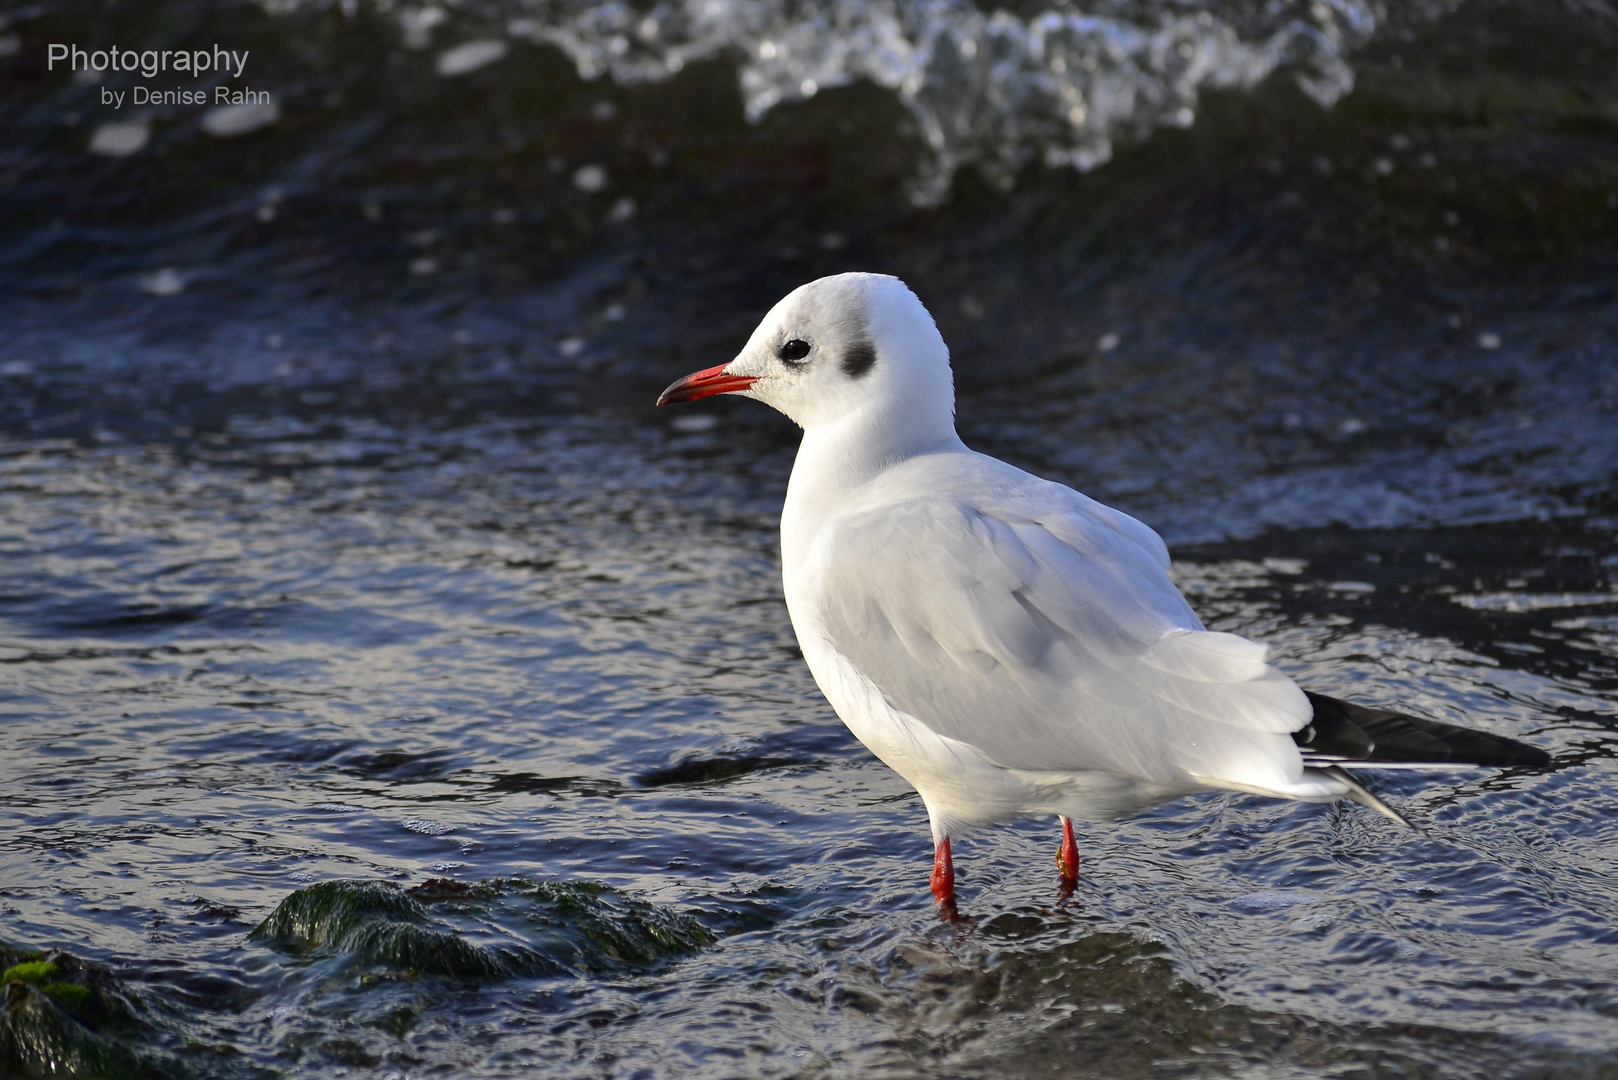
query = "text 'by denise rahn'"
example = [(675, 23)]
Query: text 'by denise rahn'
[(152, 62)]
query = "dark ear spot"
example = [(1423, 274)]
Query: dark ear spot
[(860, 358)]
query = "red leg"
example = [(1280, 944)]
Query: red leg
[(1067, 856), (943, 880)]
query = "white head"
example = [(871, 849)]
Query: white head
[(855, 348)]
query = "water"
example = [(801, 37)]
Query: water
[(341, 542)]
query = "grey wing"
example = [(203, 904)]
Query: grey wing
[(1052, 639)]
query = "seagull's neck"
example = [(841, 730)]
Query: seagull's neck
[(836, 460)]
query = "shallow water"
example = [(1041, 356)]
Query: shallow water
[(319, 562)]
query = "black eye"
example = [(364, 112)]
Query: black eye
[(793, 351)]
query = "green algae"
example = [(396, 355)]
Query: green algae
[(92, 992), (72, 995), (29, 971)]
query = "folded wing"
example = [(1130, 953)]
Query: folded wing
[(1042, 628)]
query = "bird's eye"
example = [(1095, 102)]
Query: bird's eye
[(793, 351)]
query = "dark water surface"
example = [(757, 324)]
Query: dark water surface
[(339, 541)]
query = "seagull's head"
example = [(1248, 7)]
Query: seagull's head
[(852, 344)]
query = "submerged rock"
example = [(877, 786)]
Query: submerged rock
[(525, 928), (587, 925), (65, 1017)]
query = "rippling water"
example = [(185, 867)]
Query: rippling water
[(339, 540)]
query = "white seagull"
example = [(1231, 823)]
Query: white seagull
[(1007, 645)]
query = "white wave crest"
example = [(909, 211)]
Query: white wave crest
[(994, 90), (989, 90)]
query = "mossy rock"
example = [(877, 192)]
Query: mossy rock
[(332, 911), (600, 925), (87, 990), (30, 971), (378, 923), (524, 928), (65, 1017)]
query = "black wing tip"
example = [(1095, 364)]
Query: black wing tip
[(1528, 756), (1354, 733), (1360, 794)]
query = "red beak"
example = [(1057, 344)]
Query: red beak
[(703, 384)]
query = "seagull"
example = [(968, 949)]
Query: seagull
[(1007, 645)]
